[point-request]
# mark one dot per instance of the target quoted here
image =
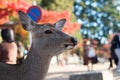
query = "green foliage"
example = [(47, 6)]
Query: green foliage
[(78, 50), (98, 18), (59, 5), (78, 35)]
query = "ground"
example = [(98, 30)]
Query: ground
[(57, 72)]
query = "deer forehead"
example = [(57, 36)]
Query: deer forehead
[(40, 29), (44, 27)]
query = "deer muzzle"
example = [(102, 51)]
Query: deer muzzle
[(74, 41), (71, 44)]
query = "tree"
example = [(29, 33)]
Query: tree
[(9, 8), (59, 6), (98, 18)]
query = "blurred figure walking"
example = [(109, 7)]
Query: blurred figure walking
[(89, 55), (116, 48)]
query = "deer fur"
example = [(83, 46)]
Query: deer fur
[(47, 40)]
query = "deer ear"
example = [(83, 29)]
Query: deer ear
[(60, 24), (26, 22)]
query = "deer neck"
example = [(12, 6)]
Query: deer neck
[(36, 65)]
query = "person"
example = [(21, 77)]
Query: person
[(112, 56), (8, 47), (21, 51), (89, 55), (116, 48)]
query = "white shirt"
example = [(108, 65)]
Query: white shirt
[(91, 52)]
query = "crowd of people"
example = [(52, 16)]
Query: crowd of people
[(90, 56)]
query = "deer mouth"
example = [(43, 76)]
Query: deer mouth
[(69, 46)]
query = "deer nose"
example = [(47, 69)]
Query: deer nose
[(74, 41)]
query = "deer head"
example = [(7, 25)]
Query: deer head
[(47, 39)]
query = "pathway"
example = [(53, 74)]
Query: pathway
[(63, 72)]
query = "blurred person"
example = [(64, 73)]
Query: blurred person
[(116, 48), (27, 48), (8, 47), (112, 56), (21, 51), (89, 55)]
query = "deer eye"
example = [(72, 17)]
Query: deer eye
[(48, 32)]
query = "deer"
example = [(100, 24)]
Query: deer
[(47, 40)]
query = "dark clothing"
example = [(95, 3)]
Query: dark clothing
[(113, 56), (110, 60), (93, 60), (115, 43), (115, 61)]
